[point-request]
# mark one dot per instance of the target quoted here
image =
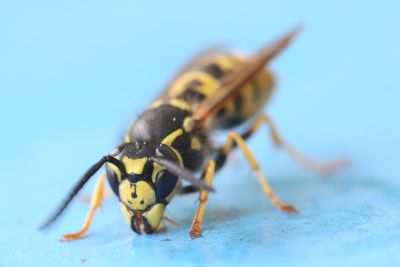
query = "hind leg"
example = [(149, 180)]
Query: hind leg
[(237, 140), (300, 158)]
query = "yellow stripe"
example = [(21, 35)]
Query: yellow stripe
[(195, 143), (248, 106), (169, 139), (187, 124), (156, 104), (208, 83), (179, 103), (227, 62), (230, 109)]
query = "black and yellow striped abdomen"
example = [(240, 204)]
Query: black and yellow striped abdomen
[(202, 79)]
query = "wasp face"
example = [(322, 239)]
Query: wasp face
[(138, 205), (137, 196), (144, 188)]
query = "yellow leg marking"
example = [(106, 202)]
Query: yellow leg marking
[(233, 137), (307, 163), (195, 230), (97, 197), (87, 198)]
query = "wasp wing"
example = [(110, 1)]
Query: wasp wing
[(230, 85)]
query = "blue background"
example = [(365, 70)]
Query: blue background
[(74, 73)]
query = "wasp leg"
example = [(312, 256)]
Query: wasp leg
[(307, 163), (87, 198), (95, 202), (207, 177), (235, 139), (323, 168)]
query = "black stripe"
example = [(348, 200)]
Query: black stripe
[(192, 96), (221, 112), (238, 102), (214, 70), (256, 91)]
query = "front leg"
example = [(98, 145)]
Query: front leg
[(96, 200), (207, 177)]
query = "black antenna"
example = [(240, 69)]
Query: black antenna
[(78, 186)]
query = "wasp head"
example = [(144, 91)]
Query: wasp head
[(139, 206), (144, 187), (144, 177)]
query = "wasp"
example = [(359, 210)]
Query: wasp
[(170, 141)]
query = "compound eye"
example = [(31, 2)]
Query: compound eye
[(112, 180), (165, 184)]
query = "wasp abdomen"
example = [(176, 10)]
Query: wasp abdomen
[(203, 79)]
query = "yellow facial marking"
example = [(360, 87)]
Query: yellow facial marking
[(135, 166), (137, 196), (127, 215), (154, 215), (195, 143)]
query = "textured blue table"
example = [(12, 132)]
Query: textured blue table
[(73, 74)]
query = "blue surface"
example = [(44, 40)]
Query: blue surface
[(73, 73)]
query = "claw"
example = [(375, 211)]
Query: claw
[(195, 232), (288, 209), (71, 237)]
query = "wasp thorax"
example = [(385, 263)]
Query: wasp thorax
[(137, 196)]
